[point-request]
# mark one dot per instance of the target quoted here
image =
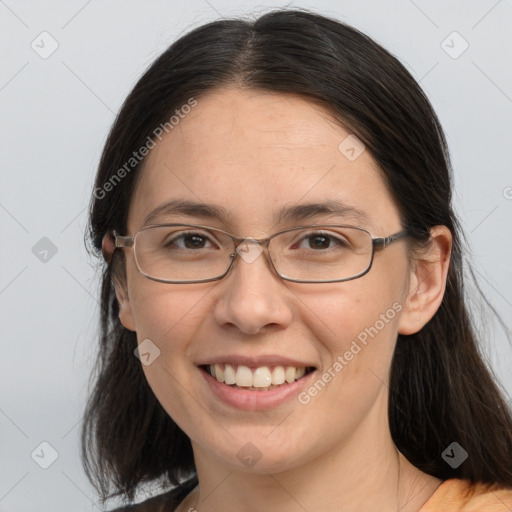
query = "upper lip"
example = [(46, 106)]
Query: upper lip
[(255, 362)]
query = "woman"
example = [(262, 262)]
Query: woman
[(283, 320)]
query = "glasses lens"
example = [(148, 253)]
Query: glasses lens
[(182, 253), (322, 253)]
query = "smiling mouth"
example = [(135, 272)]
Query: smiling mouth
[(263, 378)]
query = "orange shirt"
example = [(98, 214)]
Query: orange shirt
[(453, 495), (450, 496)]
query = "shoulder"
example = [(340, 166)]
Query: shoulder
[(160, 503), (166, 502), (460, 495)]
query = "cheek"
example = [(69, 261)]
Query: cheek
[(357, 336), (342, 313), (168, 316), (356, 321), (166, 311)]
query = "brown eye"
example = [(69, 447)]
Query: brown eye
[(323, 241), (189, 240)]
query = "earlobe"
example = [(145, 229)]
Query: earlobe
[(427, 282), (125, 309)]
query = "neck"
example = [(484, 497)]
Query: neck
[(363, 475)]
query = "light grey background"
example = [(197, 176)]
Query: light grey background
[(55, 114)]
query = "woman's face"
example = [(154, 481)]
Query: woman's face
[(252, 154)]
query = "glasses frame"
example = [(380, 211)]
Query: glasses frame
[(378, 243)]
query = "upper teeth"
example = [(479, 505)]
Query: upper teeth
[(261, 377)]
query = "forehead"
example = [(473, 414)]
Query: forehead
[(252, 154)]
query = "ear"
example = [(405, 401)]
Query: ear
[(427, 281), (125, 308)]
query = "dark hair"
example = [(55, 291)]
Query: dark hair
[(441, 390)]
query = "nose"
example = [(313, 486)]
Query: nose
[(252, 296)]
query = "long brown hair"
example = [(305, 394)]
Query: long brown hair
[(441, 390)]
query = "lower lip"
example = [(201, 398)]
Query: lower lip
[(255, 400)]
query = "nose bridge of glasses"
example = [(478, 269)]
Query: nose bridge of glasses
[(249, 248), (262, 242)]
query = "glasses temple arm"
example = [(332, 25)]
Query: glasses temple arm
[(382, 243), (122, 241)]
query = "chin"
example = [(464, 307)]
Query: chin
[(257, 455)]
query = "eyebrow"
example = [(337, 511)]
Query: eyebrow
[(295, 213)]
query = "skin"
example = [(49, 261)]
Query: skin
[(253, 152)]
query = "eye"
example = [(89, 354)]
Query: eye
[(323, 240), (188, 240)]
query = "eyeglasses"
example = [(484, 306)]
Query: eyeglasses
[(190, 253)]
